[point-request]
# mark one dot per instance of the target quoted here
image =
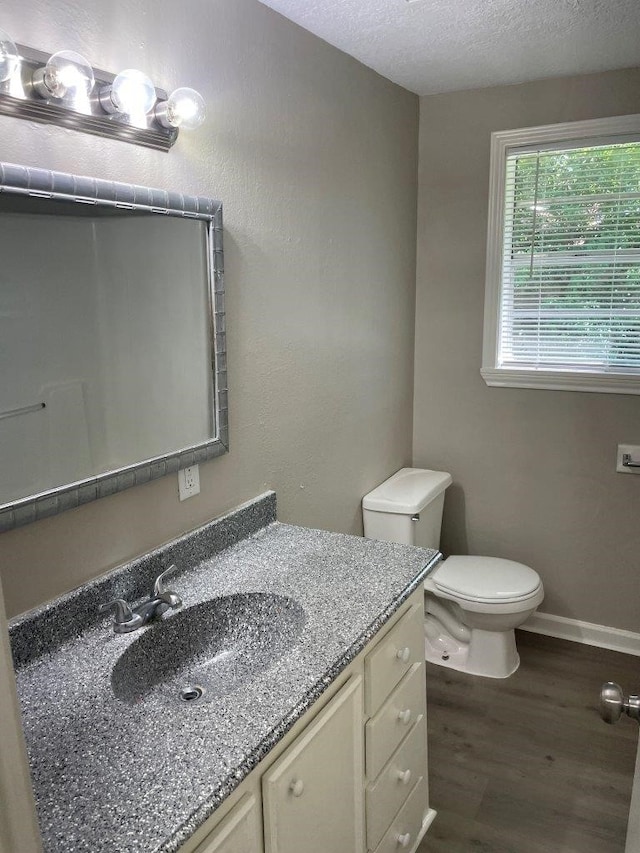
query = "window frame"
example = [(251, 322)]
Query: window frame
[(503, 143)]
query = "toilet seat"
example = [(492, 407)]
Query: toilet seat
[(488, 580)]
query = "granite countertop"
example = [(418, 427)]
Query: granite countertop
[(141, 777)]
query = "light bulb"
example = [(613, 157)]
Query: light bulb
[(67, 75), (184, 108), (131, 93), (9, 57)]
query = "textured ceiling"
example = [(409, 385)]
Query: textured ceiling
[(432, 46)]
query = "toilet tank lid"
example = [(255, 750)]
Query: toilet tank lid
[(408, 491)]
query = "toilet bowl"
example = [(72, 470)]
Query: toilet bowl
[(472, 604)]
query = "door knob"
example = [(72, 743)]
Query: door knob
[(403, 840), (404, 654), (405, 716), (613, 703)]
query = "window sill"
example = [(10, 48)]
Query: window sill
[(558, 380)]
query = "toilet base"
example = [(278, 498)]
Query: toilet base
[(492, 654)]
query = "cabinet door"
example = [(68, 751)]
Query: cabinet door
[(238, 832), (313, 795)]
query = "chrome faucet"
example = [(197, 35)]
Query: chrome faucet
[(128, 619)]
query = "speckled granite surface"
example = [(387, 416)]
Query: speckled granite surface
[(133, 775)]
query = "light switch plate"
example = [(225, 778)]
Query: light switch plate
[(633, 451)]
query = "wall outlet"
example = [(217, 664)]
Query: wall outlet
[(628, 461), (188, 482)]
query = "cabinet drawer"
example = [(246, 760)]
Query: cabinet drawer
[(393, 656), (406, 826), (385, 730), (387, 794)]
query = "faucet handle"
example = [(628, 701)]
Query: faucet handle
[(125, 619), (159, 590)]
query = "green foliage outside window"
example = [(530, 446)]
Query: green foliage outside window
[(573, 254)]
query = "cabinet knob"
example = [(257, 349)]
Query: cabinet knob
[(403, 776), (296, 787), (405, 716), (403, 840), (404, 654)]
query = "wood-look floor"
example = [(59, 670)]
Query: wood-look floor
[(526, 765)]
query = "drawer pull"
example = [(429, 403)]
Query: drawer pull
[(296, 787), (403, 840), (405, 716), (404, 654), (403, 776)]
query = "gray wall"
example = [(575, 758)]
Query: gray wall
[(315, 159), (534, 471)]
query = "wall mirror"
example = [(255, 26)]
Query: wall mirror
[(112, 338)]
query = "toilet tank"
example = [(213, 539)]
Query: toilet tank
[(407, 508)]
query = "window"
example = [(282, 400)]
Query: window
[(562, 305)]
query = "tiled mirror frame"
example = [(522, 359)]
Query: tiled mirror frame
[(59, 185)]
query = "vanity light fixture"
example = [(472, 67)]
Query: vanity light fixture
[(66, 76), (131, 93), (9, 59), (64, 89), (184, 108)]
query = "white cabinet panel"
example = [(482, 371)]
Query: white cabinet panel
[(238, 832), (386, 795), (385, 730), (408, 825), (393, 656), (313, 794)]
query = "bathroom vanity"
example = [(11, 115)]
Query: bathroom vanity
[(318, 789), (318, 745)]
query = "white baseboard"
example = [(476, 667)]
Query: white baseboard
[(584, 632)]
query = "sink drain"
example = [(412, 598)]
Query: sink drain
[(191, 693)]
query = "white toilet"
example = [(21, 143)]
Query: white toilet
[(472, 604)]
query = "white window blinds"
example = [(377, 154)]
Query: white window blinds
[(570, 295)]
